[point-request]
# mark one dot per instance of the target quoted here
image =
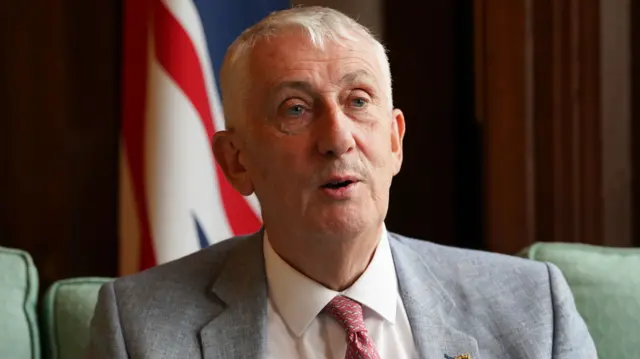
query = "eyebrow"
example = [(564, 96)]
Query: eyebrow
[(298, 85), (354, 76), (350, 78)]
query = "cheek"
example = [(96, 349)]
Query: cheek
[(375, 143), (278, 162), (257, 155)]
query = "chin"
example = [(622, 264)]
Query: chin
[(342, 223)]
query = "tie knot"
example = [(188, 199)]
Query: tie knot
[(347, 312)]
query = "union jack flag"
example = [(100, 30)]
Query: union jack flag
[(174, 199)]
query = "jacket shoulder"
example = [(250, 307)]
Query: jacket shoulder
[(190, 273), (492, 293), (451, 257), (484, 283)]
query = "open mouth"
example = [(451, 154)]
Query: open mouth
[(337, 184)]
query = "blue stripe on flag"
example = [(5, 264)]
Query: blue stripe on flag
[(202, 238), (224, 20)]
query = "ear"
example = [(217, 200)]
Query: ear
[(397, 136), (229, 157)]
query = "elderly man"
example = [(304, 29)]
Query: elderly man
[(311, 129)]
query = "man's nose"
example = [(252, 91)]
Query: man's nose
[(335, 136)]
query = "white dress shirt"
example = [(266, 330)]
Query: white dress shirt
[(296, 330)]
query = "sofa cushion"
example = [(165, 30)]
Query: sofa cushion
[(605, 282), (19, 337), (67, 311)]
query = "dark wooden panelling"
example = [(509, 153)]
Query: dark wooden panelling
[(635, 115), (60, 81), (502, 73), (436, 196), (566, 121), (540, 99), (616, 108)]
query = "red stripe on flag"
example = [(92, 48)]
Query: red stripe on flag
[(177, 55), (133, 114)]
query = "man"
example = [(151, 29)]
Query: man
[(311, 129)]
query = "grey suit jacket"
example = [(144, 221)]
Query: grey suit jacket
[(212, 304)]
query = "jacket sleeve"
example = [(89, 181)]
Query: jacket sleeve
[(106, 338), (571, 338)]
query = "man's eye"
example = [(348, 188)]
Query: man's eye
[(295, 110), (359, 102)]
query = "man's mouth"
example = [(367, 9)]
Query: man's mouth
[(340, 187), (337, 184)]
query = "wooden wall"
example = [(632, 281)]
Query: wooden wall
[(553, 94), (59, 83), (437, 195), (635, 115)]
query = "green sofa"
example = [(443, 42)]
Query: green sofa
[(66, 311), (60, 331), (605, 283), (19, 334)]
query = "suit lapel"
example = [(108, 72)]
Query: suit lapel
[(238, 327), (431, 311)]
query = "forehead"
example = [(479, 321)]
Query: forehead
[(291, 55)]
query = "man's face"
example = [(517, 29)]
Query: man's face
[(320, 143)]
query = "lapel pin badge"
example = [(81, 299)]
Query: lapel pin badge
[(463, 356)]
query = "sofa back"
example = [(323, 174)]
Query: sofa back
[(605, 283), (67, 310), (19, 335)]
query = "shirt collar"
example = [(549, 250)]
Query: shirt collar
[(299, 299)]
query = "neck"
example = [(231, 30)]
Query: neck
[(333, 262)]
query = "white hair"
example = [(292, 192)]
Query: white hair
[(321, 24)]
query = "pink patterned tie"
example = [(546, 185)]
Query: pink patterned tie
[(349, 314)]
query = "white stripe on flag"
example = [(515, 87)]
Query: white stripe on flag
[(181, 180), (187, 15)]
